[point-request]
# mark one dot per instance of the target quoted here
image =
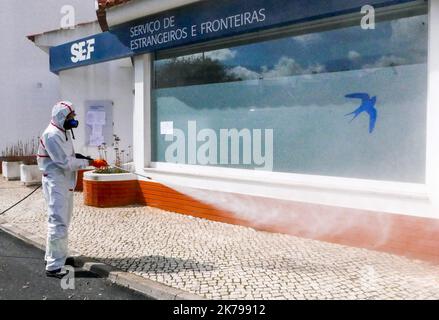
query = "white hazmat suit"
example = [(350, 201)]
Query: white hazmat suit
[(57, 161)]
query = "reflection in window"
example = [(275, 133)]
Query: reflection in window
[(391, 44)]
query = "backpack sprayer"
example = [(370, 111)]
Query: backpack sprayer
[(78, 156)]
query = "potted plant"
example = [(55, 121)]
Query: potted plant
[(111, 186), (10, 168), (30, 174), (15, 155)]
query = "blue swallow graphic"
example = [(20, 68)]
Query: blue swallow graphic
[(367, 105)]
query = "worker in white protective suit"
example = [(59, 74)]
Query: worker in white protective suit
[(59, 164)]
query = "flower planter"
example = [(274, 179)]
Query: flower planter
[(80, 179), (30, 174), (11, 170), (2, 159), (110, 190), (24, 159)]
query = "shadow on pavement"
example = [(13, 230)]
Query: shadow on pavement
[(156, 264), (82, 274)]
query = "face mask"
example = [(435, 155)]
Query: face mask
[(70, 124)]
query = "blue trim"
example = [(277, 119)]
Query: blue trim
[(118, 43)]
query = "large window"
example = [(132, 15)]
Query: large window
[(287, 104)]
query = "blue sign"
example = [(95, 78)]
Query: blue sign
[(199, 22)]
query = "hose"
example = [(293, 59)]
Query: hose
[(21, 200)]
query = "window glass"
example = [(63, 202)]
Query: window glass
[(346, 102)]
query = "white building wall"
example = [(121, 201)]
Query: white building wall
[(142, 111), (27, 88), (107, 81)]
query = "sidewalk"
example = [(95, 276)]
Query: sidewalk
[(219, 261)]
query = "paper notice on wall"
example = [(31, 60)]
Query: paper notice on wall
[(100, 117), (96, 119), (96, 130), (167, 127), (96, 141)]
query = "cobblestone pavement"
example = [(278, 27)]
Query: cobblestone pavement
[(222, 261)]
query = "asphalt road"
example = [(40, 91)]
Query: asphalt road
[(22, 277)]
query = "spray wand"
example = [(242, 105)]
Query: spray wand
[(80, 156), (135, 173)]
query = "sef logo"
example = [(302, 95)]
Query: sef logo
[(81, 51)]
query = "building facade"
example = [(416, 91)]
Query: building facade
[(316, 119)]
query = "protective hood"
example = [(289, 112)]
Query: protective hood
[(60, 112)]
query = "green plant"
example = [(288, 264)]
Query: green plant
[(109, 170), (117, 150)]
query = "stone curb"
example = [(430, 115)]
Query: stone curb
[(147, 287)]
